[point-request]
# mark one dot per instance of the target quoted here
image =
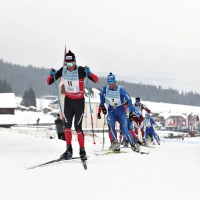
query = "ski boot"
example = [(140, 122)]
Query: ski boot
[(144, 143), (115, 146), (138, 141), (125, 143), (135, 147), (68, 153), (82, 154)]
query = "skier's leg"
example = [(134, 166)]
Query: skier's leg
[(130, 128), (123, 121), (135, 123), (111, 121), (68, 115), (154, 135), (79, 113)]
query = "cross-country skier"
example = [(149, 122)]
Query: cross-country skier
[(114, 96), (74, 104), (138, 123), (125, 141), (149, 123)]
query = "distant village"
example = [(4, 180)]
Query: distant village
[(186, 120)]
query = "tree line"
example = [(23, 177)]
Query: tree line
[(5, 87), (21, 78), (155, 94)]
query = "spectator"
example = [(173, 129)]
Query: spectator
[(37, 121), (60, 127)]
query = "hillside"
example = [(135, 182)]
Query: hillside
[(21, 78)]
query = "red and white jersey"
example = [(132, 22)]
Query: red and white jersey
[(73, 81), (140, 107)]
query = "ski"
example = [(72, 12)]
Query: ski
[(149, 146), (52, 161), (140, 146), (143, 152), (103, 150), (84, 164), (103, 153)]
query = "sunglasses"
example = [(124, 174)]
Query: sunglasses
[(70, 64)]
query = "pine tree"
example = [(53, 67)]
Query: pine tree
[(25, 100), (5, 87), (29, 98), (32, 98)]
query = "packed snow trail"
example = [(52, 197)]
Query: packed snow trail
[(168, 172)]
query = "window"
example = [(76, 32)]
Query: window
[(6, 110)]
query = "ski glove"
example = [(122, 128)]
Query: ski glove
[(131, 116), (87, 70), (52, 71), (98, 116), (104, 111)]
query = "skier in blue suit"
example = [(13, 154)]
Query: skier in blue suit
[(114, 96), (149, 123)]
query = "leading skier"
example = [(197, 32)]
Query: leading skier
[(74, 103)]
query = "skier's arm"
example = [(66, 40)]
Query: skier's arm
[(145, 108), (94, 78), (102, 96), (129, 101), (99, 112), (152, 122), (102, 100), (58, 74)]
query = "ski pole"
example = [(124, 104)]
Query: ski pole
[(161, 138), (90, 107), (57, 94), (104, 123)]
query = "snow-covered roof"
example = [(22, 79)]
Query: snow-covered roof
[(33, 107), (7, 100), (166, 115), (8, 119), (159, 107)]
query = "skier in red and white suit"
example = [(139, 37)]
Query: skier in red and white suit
[(138, 124)]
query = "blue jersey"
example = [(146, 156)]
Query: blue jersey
[(149, 128), (115, 98), (149, 123)]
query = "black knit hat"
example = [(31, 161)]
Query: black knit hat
[(70, 57), (137, 99)]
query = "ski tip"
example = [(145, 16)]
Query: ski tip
[(27, 168), (84, 165), (141, 152)]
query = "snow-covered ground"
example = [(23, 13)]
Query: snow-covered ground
[(171, 171)]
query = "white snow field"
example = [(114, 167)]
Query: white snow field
[(171, 171)]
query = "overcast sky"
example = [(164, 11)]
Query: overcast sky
[(153, 40)]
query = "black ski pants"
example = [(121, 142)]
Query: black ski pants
[(74, 108)]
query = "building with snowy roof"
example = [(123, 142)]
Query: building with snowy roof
[(7, 109)]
